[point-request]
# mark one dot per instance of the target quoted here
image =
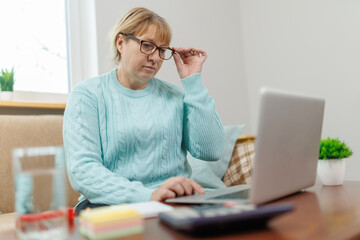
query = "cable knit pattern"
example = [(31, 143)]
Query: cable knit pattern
[(122, 144)]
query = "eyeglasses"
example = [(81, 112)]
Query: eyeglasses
[(149, 48)]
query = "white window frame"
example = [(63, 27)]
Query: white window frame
[(82, 39), (82, 51)]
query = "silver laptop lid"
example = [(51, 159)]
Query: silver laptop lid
[(287, 144)]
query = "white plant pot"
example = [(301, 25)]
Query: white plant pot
[(332, 172), (6, 95)]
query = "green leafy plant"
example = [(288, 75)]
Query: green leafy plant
[(7, 80), (333, 148)]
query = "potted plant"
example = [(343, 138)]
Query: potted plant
[(332, 159), (7, 83)]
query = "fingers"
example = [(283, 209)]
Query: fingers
[(197, 187), (180, 186), (176, 186), (189, 60), (177, 59), (188, 189), (190, 52), (161, 194)]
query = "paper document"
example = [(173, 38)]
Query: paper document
[(150, 209)]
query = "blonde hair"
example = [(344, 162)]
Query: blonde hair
[(136, 22)]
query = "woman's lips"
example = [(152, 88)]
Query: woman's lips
[(149, 67)]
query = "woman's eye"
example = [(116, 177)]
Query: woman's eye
[(148, 46)]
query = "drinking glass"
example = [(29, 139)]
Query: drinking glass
[(40, 193)]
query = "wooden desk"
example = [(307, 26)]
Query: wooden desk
[(320, 213)]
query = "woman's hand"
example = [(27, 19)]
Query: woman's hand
[(189, 61), (175, 187)]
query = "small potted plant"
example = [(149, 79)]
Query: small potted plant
[(332, 159), (7, 83)]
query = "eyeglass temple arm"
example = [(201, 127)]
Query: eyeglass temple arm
[(130, 36)]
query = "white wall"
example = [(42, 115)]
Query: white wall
[(312, 47), (211, 25)]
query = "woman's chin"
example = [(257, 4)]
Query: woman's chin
[(148, 76)]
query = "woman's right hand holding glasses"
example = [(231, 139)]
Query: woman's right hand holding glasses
[(189, 61)]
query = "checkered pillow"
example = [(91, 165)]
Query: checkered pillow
[(241, 163)]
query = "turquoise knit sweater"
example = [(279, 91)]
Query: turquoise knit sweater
[(122, 144)]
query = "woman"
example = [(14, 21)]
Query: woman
[(126, 133)]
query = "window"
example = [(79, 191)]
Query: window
[(34, 42)]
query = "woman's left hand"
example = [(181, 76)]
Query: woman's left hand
[(189, 61)]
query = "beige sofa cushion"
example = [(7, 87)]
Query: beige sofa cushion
[(26, 131)]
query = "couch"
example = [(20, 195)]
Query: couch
[(46, 130)]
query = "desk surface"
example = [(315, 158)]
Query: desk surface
[(320, 213)]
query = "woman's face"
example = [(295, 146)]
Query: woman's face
[(137, 66)]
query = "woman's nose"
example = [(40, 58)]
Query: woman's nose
[(155, 56)]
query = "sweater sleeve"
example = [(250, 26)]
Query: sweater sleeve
[(84, 155), (203, 131)]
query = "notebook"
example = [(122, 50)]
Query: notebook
[(286, 153)]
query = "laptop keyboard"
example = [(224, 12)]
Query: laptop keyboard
[(243, 194)]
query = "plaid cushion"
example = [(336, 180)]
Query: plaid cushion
[(241, 163)]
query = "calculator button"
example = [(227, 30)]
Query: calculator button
[(233, 210), (208, 214), (223, 212), (245, 207), (184, 213)]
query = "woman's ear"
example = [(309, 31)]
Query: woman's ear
[(119, 42)]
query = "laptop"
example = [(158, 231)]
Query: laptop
[(286, 151)]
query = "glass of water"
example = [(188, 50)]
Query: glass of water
[(40, 193)]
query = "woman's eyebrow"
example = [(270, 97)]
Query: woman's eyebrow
[(152, 41)]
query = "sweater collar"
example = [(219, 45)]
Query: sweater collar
[(127, 91)]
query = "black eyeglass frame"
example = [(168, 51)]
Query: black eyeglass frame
[(154, 50)]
